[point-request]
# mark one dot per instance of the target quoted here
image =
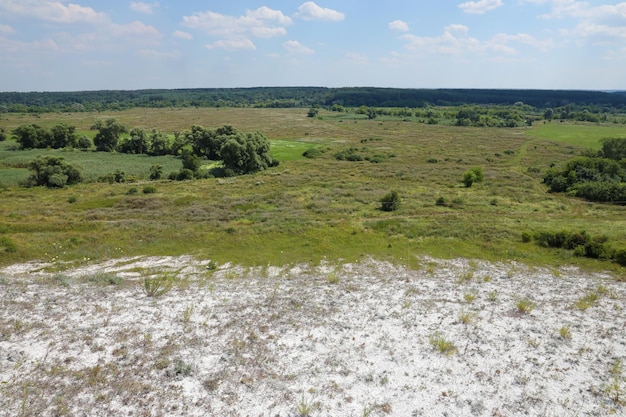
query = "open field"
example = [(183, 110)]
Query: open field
[(290, 293), (307, 210), (585, 135)]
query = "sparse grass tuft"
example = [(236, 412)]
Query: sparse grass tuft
[(104, 278), (304, 407), (333, 278), (565, 333), (525, 306), (442, 345), (157, 286)]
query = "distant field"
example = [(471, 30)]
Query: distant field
[(584, 135), (308, 210)]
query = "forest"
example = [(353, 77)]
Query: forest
[(289, 97)]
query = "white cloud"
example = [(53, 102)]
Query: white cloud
[(399, 26), (182, 35), (263, 22), (456, 41), (145, 8), (6, 29), (311, 11), (137, 33), (232, 44), (481, 6), (53, 11), (156, 54), (295, 47)]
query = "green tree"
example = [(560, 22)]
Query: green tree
[(156, 171), (614, 148), (247, 153), (62, 135), (313, 112), (137, 143), (159, 144), (108, 134), (31, 136), (53, 171), (191, 161)]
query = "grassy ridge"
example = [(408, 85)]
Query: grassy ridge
[(307, 210)]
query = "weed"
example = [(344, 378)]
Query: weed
[(157, 286), (466, 277), (188, 312), (149, 189), (469, 297), (466, 318), (590, 299), (565, 333), (179, 369), (525, 306), (333, 278), (442, 345), (534, 343), (304, 407), (492, 296)]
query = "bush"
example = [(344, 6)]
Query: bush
[(156, 171), (390, 201), (473, 175), (84, 143), (7, 245), (53, 171), (149, 189), (312, 153)]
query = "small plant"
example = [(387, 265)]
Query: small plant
[(304, 407), (149, 189), (72, 199), (492, 296), (179, 369), (442, 345), (157, 286), (333, 278), (104, 278), (525, 306), (466, 318), (131, 191), (188, 312), (390, 202), (469, 297), (565, 333), (473, 175)]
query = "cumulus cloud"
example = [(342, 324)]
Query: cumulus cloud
[(263, 22), (311, 11), (455, 40), (481, 6), (399, 26), (53, 11), (295, 47), (232, 44), (145, 8)]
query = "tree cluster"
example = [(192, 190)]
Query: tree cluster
[(59, 136), (599, 178)]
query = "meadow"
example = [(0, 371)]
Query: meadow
[(309, 210)]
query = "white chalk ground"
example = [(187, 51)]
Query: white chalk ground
[(346, 340)]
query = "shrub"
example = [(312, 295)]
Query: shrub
[(473, 175), (390, 201), (149, 189), (158, 286), (441, 201), (131, 191), (7, 245), (53, 171), (312, 153), (84, 142), (156, 171)]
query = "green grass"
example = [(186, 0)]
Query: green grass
[(307, 210), (584, 135)]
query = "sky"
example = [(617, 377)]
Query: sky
[(48, 45)]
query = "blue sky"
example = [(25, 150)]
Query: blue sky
[(58, 45)]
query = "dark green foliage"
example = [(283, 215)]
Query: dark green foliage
[(160, 144), (619, 256), (592, 178), (84, 142), (53, 171), (191, 161), (582, 243), (31, 136), (3, 134), (149, 189), (349, 155), (614, 148), (313, 112), (390, 202), (312, 153), (108, 135), (156, 172), (247, 153), (137, 143)]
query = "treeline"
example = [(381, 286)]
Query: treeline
[(600, 177), (38, 102)]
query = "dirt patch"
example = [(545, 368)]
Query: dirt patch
[(346, 340)]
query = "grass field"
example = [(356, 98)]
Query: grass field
[(585, 135), (308, 210)]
